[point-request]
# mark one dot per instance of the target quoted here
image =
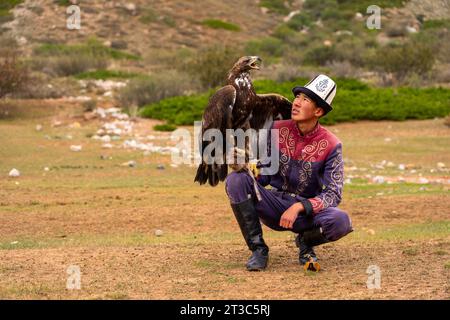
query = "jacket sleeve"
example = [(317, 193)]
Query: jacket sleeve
[(333, 182)]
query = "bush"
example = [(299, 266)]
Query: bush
[(354, 101), (144, 90), (269, 46), (13, 75), (211, 65), (403, 60), (66, 65), (164, 127), (106, 74), (219, 24)]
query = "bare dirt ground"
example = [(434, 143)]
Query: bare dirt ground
[(89, 210)]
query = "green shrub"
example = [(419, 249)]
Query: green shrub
[(276, 6), (164, 127), (148, 16), (91, 48), (144, 90), (219, 24), (106, 74), (5, 9), (436, 24), (66, 65), (269, 46), (211, 65), (402, 60), (319, 55), (354, 101), (13, 75)]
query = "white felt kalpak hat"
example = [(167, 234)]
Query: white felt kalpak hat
[(321, 89)]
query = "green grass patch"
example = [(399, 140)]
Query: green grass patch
[(92, 47), (164, 127), (277, 6), (414, 232), (5, 9), (436, 24), (106, 74), (354, 101), (219, 24)]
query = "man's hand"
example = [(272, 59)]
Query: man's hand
[(290, 215), (236, 159)]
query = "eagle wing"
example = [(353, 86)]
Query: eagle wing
[(269, 107), (217, 115)]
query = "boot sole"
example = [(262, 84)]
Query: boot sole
[(312, 266)]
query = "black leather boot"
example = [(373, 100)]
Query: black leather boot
[(251, 229), (306, 242)]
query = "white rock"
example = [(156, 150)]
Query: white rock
[(107, 146), (423, 180), (158, 233), (401, 167), (105, 139), (440, 165), (76, 148), (38, 127), (348, 181), (14, 173), (390, 164), (46, 169), (15, 242), (291, 15), (378, 179)]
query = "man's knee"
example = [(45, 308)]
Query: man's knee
[(238, 186), (337, 225)]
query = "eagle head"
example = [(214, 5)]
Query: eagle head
[(246, 63)]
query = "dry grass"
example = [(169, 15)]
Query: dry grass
[(101, 216)]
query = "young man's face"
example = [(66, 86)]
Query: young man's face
[(305, 109)]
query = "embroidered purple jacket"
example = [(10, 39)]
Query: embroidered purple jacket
[(311, 166)]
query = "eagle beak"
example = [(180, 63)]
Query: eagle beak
[(255, 63)]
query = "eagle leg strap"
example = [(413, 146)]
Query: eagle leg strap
[(255, 185)]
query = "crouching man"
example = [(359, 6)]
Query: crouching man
[(307, 188)]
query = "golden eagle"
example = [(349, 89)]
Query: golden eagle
[(237, 106)]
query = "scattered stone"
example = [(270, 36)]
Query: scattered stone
[(423, 180), (56, 124), (14, 173), (371, 232), (158, 233), (160, 167), (348, 181), (174, 165), (107, 146), (14, 242), (75, 148), (291, 15), (39, 127), (440, 165), (378, 179), (47, 169), (130, 164), (387, 139), (359, 16), (105, 139), (75, 125), (401, 167)]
